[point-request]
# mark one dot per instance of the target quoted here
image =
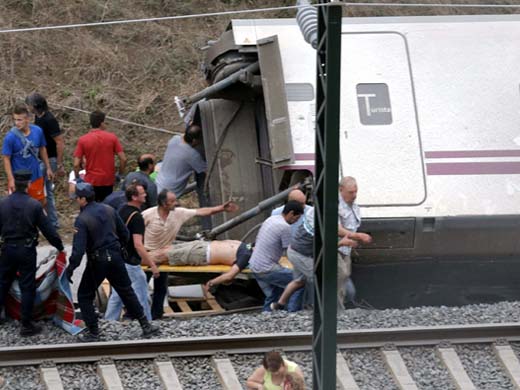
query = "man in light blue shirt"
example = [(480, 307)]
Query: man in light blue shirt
[(349, 218)]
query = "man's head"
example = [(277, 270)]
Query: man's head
[(166, 200), (298, 196), (97, 118), (348, 189), (84, 193), (21, 117), (146, 163), (135, 193), (37, 103), (22, 178), (292, 211), (193, 135)]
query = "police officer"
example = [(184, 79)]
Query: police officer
[(100, 232), (20, 218)]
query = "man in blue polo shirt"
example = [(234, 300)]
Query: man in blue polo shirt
[(20, 151)]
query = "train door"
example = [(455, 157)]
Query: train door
[(379, 129)]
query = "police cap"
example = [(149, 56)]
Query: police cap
[(22, 175), (84, 190)]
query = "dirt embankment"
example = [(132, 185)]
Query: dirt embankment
[(131, 71)]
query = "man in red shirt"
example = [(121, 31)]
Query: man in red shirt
[(99, 148)]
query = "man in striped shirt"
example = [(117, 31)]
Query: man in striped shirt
[(273, 238)]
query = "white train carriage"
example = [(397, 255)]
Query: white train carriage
[(430, 127)]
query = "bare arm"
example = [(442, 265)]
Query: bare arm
[(256, 380), (9, 172), (77, 167), (122, 162), (363, 237), (45, 158), (143, 254), (224, 278), (228, 207), (60, 147)]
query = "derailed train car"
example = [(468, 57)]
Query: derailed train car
[(430, 127)]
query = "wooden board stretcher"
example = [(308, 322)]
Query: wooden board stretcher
[(217, 268), (209, 302)]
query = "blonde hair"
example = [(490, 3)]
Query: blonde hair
[(295, 380)]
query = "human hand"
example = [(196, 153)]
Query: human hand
[(10, 186), (60, 172), (345, 241), (155, 271), (69, 272), (230, 206), (50, 174), (363, 237)]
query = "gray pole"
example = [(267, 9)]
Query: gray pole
[(326, 196)]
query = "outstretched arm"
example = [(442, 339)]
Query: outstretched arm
[(228, 207)]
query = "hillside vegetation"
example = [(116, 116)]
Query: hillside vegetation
[(131, 71)]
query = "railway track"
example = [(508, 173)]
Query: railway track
[(442, 339)]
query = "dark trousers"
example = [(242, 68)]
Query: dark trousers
[(108, 264), (101, 192), (160, 289), (22, 259)]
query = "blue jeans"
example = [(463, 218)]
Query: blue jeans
[(273, 283), (49, 189), (140, 287)]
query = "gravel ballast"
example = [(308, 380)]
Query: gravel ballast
[(277, 322)]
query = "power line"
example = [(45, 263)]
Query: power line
[(256, 10), (433, 5), (124, 121)]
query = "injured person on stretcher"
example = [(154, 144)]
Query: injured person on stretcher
[(225, 252)]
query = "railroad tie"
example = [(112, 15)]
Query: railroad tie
[(50, 376), (108, 372), (457, 372), (344, 377), (226, 374), (398, 369), (508, 359), (167, 374)]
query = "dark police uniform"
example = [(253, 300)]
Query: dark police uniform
[(100, 232), (20, 218)]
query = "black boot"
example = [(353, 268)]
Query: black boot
[(148, 329), (91, 334), (29, 329)]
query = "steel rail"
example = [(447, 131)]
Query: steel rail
[(298, 341)]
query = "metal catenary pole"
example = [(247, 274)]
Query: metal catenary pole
[(326, 196)]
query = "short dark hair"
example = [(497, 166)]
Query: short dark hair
[(38, 102), (162, 197), (90, 198), (131, 190), (294, 206), (96, 118), (144, 163), (272, 361), (20, 109), (193, 133), (21, 186)]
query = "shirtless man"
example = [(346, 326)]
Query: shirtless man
[(225, 252)]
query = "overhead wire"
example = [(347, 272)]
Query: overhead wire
[(249, 11), (124, 121), (235, 12)]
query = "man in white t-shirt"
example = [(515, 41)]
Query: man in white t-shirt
[(162, 223)]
